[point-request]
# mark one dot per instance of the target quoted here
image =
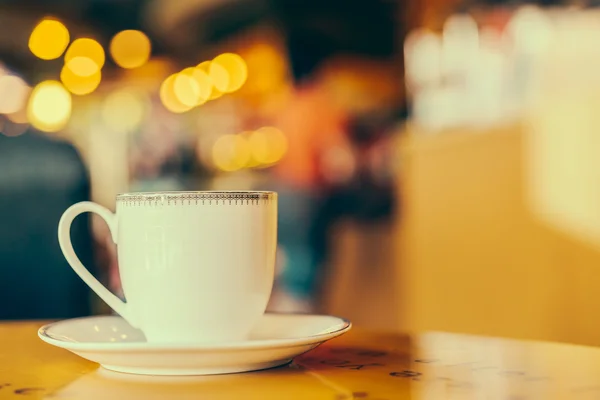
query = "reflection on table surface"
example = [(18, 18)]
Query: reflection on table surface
[(359, 365)]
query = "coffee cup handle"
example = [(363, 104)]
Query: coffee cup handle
[(64, 239)]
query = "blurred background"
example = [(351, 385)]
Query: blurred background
[(103, 97), (435, 160)]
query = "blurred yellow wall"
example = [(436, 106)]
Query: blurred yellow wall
[(471, 256)]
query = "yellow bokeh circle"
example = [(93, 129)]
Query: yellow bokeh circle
[(231, 152), (205, 67), (85, 57), (168, 97), (130, 48), (80, 85), (219, 76), (236, 71), (49, 106), (186, 89), (82, 66), (49, 39), (268, 145), (203, 83)]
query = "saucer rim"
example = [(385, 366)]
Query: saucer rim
[(158, 346)]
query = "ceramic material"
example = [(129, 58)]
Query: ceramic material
[(195, 266), (117, 346)]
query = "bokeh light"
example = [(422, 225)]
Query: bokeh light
[(49, 106), (205, 86), (205, 67), (218, 76), (168, 97), (231, 152), (252, 161), (192, 87), (235, 66), (268, 145), (85, 57), (130, 49), (186, 89), (123, 110), (259, 148), (13, 94), (49, 39), (82, 66), (77, 84)]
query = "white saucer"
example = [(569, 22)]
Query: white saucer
[(117, 346)]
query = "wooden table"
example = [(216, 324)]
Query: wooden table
[(359, 365)]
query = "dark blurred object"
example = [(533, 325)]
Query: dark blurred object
[(187, 30), (317, 30), (369, 196), (39, 179), (314, 30)]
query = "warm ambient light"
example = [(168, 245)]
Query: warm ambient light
[(49, 106), (85, 57), (130, 49), (219, 76), (203, 83), (80, 85), (186, 88), (268, 145), (237, 71), (231, 152), (205, 67), (168, 97), (49, 39)]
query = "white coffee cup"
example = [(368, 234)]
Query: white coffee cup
[(194, 266)]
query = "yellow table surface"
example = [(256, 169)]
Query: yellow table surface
[(358, 365)]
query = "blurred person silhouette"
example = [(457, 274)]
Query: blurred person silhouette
[(362, 190), (40, 177), (313, 124), (342, 55)]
